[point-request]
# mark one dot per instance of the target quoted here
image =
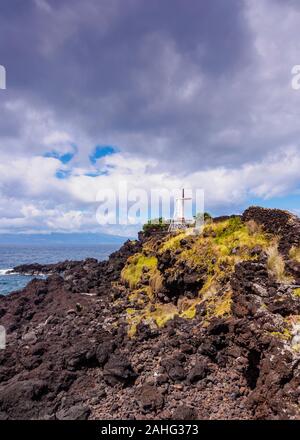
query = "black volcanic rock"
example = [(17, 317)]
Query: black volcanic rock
[(118, 370), (69, 355)]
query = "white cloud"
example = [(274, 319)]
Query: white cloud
[(71, 203), (230, 128)]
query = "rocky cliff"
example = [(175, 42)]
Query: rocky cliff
[(170, 327)]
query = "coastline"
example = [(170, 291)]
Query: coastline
[(70, 354)]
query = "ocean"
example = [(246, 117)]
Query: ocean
[(12, 255)]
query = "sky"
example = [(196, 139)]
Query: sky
[(160, 94)]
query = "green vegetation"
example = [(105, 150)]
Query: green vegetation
[(296, 292), (207, 216), (132, 272), (172, 243), (222, 245), (155, 314), (211, 257), (157, 224), (218, 306), (234, 233), (285, 335)]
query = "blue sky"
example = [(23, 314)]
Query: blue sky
[(157, 94)]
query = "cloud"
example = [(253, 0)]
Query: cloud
[(156, 93), (46, 202), (135, 76)]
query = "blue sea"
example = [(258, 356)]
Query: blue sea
[(12, 255)]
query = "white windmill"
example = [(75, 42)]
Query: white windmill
[(178, 221)]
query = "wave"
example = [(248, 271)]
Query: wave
[(5, 272)]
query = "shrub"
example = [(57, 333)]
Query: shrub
[(207, 216), (157, 224)]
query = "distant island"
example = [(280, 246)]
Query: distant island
[(76, 238), (172, 327)]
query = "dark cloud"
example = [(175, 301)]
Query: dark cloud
[(198, 84), (145, 74)]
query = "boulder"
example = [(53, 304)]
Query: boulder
[(199, 371), (118, 370), (104, 350), (76, 412), (150, 398)]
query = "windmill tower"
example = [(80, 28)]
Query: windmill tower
[(178, 221)]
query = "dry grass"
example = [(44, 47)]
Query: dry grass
[(156, 282), (253, 227), (294, 253), (276, 265)]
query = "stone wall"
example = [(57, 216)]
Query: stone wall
[(278, 222)]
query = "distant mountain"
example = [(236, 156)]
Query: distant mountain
[(56, 238)]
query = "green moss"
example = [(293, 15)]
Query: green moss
[(172, 242), (234, 234), (225, 229), (187, 308), (154, 315), (227, 242), (189, 313), (133, 270), (284, 335), (162, 314), (296, 292), (213, 255), (218, 306), (223, 306)]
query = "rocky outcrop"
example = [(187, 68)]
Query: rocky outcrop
[(276, 221), (195, 328)]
